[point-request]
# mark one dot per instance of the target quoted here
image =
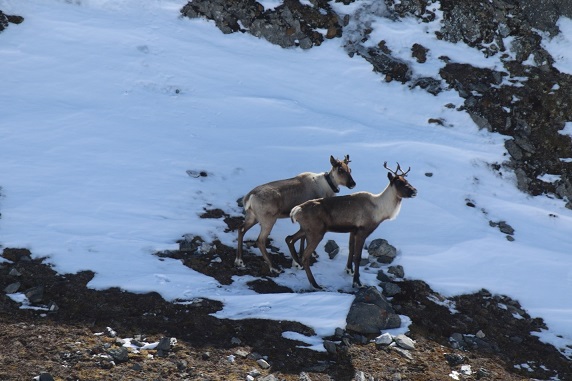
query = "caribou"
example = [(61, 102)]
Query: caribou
[(268, 202), (358, 213)]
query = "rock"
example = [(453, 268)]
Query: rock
[(45, 377), (419, 52), (119, 355), (289, 24), (17, 255), (35, 294), (164, 344), (339, 333), (241, 353), (110, 332), (384, 339), (190, 243), (382, 251), (12, 288), (332, 248), (263, 363), (403, 352), (370, 313), (137, 367), (330, 347), (254, 373), (397, 271), (382, 276), (404, 342), (53, 307), (390, 289), (455, 359), (503, 227)]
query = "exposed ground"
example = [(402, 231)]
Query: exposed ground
[(81, 337)]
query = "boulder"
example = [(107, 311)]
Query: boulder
[(370, 313)]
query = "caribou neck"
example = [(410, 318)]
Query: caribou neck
[(331, 182), (388, 203)]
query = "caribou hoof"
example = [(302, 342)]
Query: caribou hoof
[(349, 271), (297, 265), (315, 255), (357, 284), (239, 263), (274, 270)]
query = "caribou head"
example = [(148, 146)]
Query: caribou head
[(397, 179)]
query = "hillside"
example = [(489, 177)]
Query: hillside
[(132, 129)]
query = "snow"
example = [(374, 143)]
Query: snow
[(107, 104)]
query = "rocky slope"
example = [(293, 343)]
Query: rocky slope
[(528, 100), (72, 332)]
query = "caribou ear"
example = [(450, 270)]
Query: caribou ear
[(333, 161), (389, 176)]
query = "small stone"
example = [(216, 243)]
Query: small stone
[(454, 359), (110, 332), (330, 347), (45, 377), (164, 344), (390, 289), (137, 367), (382, 251), (119, 355), (382, 276), (505, 228), (480, 334), (53, 307), (332, 248), (397, 271), (403, 352), (255, 373), (263, 363), (404, 342), (241, 353), (14, 272), (339, 333), (384, 339), (12, 288), (254, 356), (35, 294), (206, 355)]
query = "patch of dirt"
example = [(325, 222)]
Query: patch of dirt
[(73, 341)]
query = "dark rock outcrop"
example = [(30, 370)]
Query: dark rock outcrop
[(5, 20), (288, 25)]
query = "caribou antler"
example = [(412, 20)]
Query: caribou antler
[(347, 159), (398, 169)]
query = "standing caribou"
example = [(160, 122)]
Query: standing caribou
[(268, 202), (359, 214)]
